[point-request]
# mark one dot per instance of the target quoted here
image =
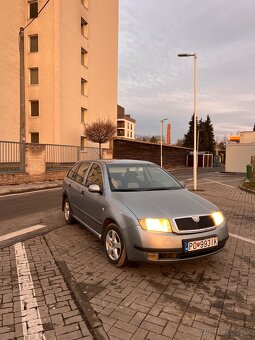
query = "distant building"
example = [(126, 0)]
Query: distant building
[(239, 154), (125, 124), (71, 68)]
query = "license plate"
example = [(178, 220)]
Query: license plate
[(200, 244)]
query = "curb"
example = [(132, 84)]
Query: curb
[(247, 190), (8, 191), (81, 299)]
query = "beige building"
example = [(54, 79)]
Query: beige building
[(125, 124), (239, 154), (71, 65)]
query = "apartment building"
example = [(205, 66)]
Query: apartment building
[(71, 68), (125, 124)]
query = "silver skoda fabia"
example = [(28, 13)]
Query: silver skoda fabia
[(141, 212)]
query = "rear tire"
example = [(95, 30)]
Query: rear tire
[(67, 212), (115, 246)]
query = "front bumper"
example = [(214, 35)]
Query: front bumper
[(143, 245)]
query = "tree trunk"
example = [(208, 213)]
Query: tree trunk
[(100, 150)]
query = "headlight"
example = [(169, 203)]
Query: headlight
[(156, 224), (218, 218)]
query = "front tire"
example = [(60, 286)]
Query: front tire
[(114, 245), (67, 212)]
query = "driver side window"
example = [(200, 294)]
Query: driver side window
[(95, 176)]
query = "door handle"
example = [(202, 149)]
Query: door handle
[(82, 192)]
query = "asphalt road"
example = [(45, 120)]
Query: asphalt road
[(20, 211)]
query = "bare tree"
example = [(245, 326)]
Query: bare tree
[(101, 131)]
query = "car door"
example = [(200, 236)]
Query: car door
[(92, 204), (76, 188)]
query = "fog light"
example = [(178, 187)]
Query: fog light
[(152, 256)]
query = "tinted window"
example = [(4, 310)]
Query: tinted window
[(95, 176), (71, 173), (80, 174)]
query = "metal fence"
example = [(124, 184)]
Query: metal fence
[(12, 156), (57, 157), (60, 157)]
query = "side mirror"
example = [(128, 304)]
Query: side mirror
[(94, 188)]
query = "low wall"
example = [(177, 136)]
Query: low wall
[(174, 157), (19, 178)]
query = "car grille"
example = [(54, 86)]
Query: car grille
[(187, 223)]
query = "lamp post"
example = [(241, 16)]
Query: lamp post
[(161, 144), (195, 116)]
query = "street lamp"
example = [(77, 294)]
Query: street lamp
[(161, 144), (195, 116)]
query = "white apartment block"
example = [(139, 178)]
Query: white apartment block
[(125, 124)]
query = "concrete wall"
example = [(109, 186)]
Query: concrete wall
[(238, 156), (173, 156)]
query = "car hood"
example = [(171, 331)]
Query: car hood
[(165, 203)]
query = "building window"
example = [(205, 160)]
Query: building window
[(33, 9), (83, 142), (131, 126), (120, 132), (84, 57), (131, 134), (33, 43), (83, 115), (85, 3), (128, 125), (84, 87), (34, 108), (34, 137), (34, 76), (120, 124), (84, 28)]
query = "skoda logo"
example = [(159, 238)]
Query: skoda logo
[(196, 218)]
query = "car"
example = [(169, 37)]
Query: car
[(141, 212)]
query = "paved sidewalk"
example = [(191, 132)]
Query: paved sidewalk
[(27, 187), (210, 298)]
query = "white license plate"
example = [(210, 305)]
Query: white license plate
[(201, 244)]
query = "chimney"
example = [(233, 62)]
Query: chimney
[(168, 136)]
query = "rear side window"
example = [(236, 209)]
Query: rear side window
[(72, 172), (81, 172), (95, 176)]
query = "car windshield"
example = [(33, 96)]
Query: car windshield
[(140, 177)]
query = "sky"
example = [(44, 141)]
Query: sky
[(155, 84)]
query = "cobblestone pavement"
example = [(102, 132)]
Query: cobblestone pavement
[(211, 298)]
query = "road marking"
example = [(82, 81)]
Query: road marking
[(29, 192), (21, 232), (227, 185), (242, 238), (30, 315)]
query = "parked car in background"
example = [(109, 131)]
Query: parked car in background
[(141, 212)]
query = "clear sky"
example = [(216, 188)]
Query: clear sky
[(155, 84)]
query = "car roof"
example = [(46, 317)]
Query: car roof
[(118, 161)]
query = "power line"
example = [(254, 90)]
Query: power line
[(37, 14)]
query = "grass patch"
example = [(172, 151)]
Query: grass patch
[(249, 185)]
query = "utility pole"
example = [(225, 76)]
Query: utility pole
[(22, 87)]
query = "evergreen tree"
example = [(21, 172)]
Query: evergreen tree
[(209, 133), (206, 135), (201, 135), (189, 137)]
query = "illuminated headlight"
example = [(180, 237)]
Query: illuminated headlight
[(156, 224), (218, 218)]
